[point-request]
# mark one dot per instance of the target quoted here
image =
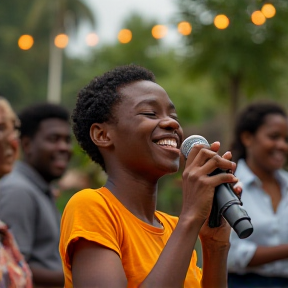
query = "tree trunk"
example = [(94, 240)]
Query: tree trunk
[(54, 72)]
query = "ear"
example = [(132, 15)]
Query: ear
[(246, 138), (26, 145), (99, 134)]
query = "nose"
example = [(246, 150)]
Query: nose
[(169, 123), (64, 145), (283, 144), (11, 138)]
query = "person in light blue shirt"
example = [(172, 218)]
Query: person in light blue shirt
[(260, 148)]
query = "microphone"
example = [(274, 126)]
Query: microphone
[(225, 202)]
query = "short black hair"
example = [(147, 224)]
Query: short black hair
[(32, 116), (250, 119), (95, 102)]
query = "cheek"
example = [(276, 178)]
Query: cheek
[(264, 143), (15, 144)]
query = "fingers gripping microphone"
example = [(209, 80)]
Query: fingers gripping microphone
[(225, 202)]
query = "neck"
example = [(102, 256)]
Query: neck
[(263, 175), (138, 196)]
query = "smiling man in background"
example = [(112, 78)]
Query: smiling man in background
[(27, 203)]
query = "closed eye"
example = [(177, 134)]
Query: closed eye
[(150, 114)]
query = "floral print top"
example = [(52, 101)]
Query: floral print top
[(14, 271)]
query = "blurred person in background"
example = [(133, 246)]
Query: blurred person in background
[(14, 271), (260, 148), (27, 202)]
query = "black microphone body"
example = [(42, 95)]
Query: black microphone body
[(225, 202)]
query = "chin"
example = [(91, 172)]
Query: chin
[(56, 174), (5, 170)]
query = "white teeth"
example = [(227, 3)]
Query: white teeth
[(167, 142)]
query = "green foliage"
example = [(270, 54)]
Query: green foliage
[(241, 60), (23, 74)]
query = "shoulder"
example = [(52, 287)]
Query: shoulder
[(88, 202), (15, 187), (283, 177), (86, 196), (14, 181), (283, 173)]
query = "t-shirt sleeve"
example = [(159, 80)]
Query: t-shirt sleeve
[(90, 216)]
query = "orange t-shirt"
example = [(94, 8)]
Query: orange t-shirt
[(97, 215)]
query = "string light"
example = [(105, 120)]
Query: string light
[(25, 42), (125, 36), (92, 39), (61, 41), (184, 28), (258, 18), (159, 31), (268, 10), (221, 21)]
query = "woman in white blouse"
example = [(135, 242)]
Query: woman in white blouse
[(260, 148)]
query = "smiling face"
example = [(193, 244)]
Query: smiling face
[(267, 149), (49, 151), (147, 135), (8, 139)]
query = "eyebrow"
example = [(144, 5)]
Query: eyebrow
[(154, 102)]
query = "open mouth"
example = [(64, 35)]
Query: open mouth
[(169, 142)]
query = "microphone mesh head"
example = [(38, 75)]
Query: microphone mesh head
[(189, 142)]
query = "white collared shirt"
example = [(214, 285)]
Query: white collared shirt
[(270, 228)]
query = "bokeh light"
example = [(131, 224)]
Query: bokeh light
[(184, 28), (268, 10), (92, 39), (61, 41), (258, 18), (25, 42), (125, 36), (221, 21), (159, 31)]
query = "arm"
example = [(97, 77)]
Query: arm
[(96, 266), (215, 252), (268, 254), (47, 278)]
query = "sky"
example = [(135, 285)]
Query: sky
[(110, 14)]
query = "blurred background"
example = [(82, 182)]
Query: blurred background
[(212, 57)]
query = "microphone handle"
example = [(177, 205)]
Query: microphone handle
[(228, 205)]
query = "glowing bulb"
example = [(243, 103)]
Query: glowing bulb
[(184, 28), (61, 41), (268, 10), (159, 31), (25, 42), (125, 36), (221, 21), (258, 18), (92, 39)]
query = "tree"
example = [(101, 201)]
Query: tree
[(243, 59), (24, 73), (61, 16)]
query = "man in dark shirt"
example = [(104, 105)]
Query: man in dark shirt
[(27, 203)]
